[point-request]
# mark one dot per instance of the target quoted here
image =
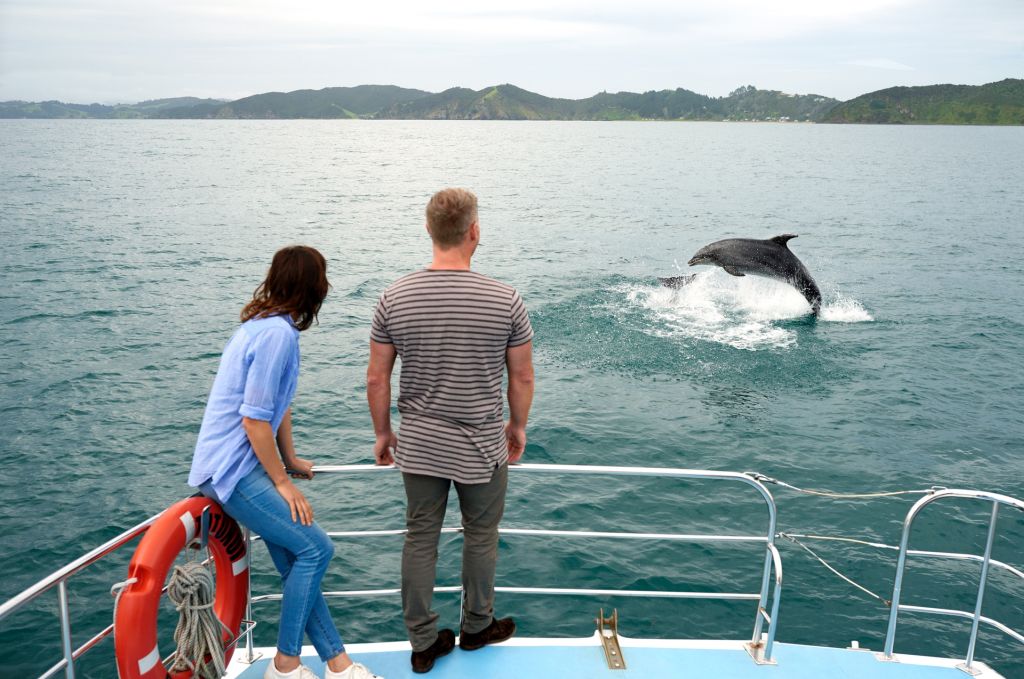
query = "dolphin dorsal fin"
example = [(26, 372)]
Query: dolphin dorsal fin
[(783, 239)]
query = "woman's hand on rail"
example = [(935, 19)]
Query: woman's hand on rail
[(297, 502), (299, 468)]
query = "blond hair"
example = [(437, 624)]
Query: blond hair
[(449, 215)]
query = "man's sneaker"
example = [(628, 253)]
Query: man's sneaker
[(423, 661), (496, 632), (353, 671), (300, 672)]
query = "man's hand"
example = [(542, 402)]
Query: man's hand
[(384, 448), (516, 437), (301, 509), (299, 468)]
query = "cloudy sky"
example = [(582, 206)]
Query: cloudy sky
[(124, 51)]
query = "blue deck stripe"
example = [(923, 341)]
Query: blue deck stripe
[(587, 662)]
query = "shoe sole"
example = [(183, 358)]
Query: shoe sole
[(488, 643)]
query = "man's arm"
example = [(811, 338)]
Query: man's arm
[(378, 395), (519, 361)]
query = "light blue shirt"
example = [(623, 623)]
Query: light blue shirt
[(257, 378)]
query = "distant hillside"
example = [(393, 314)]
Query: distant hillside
[(502, 102), (331, 102), (999, 103), (57, 109), (507, 102), (750, 103)]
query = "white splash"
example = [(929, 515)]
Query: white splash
[(738, 312), (844, 310)]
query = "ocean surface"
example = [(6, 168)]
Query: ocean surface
[(129, 247)]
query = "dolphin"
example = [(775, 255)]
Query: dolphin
[(770, 258)]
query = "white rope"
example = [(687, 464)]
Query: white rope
[(116, 591), (855, 541), (199, 631), (792, 538), (825, 493)]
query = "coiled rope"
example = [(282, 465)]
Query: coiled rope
[(199, 631)]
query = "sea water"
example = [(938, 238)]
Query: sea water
[(128, 248)]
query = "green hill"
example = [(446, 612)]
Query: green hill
[(677, 104), (331, 102), (507, 102), (999, 103), (502, 102), (750, 103), (58, 109)]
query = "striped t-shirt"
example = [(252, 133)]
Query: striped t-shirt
[(451, 330)]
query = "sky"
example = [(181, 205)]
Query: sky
[(111, 51)]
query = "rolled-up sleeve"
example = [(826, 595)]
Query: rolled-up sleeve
[(271, 352)]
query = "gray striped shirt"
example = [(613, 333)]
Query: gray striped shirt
[(451, 330)]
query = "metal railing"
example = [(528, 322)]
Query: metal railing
[(59, 580), (760, 650), (986, 562)]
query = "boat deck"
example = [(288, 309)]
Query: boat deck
[(652, 659)]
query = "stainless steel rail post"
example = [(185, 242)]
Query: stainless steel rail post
[(249, 655), (981, 588), (65, 628)]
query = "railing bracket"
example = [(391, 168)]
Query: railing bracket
[(973, 671), (610, 639), (756, 649)]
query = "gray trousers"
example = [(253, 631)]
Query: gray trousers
[(482, 506)]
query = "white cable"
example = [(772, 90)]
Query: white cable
[(825, 493), (827, 565)]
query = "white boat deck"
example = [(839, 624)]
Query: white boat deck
[(651, 659)]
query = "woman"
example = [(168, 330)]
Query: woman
[(237, 464)]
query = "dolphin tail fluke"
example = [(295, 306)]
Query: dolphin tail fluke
[(676, 282)]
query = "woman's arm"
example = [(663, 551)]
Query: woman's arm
[(286, 446), (261, 436)]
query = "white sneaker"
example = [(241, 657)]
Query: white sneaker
[(300, 672), (353, 671)]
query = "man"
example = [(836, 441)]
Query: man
[(456, 332)]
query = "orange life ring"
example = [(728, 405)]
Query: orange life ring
[(135, 640)]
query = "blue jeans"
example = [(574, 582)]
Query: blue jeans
[(300, 553)]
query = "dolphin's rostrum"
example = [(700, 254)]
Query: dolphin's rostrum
[(770, 258)]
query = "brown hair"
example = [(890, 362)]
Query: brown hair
[(296, 285), (449, 214)]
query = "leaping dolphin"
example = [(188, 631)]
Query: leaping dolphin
[(769, 258)]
